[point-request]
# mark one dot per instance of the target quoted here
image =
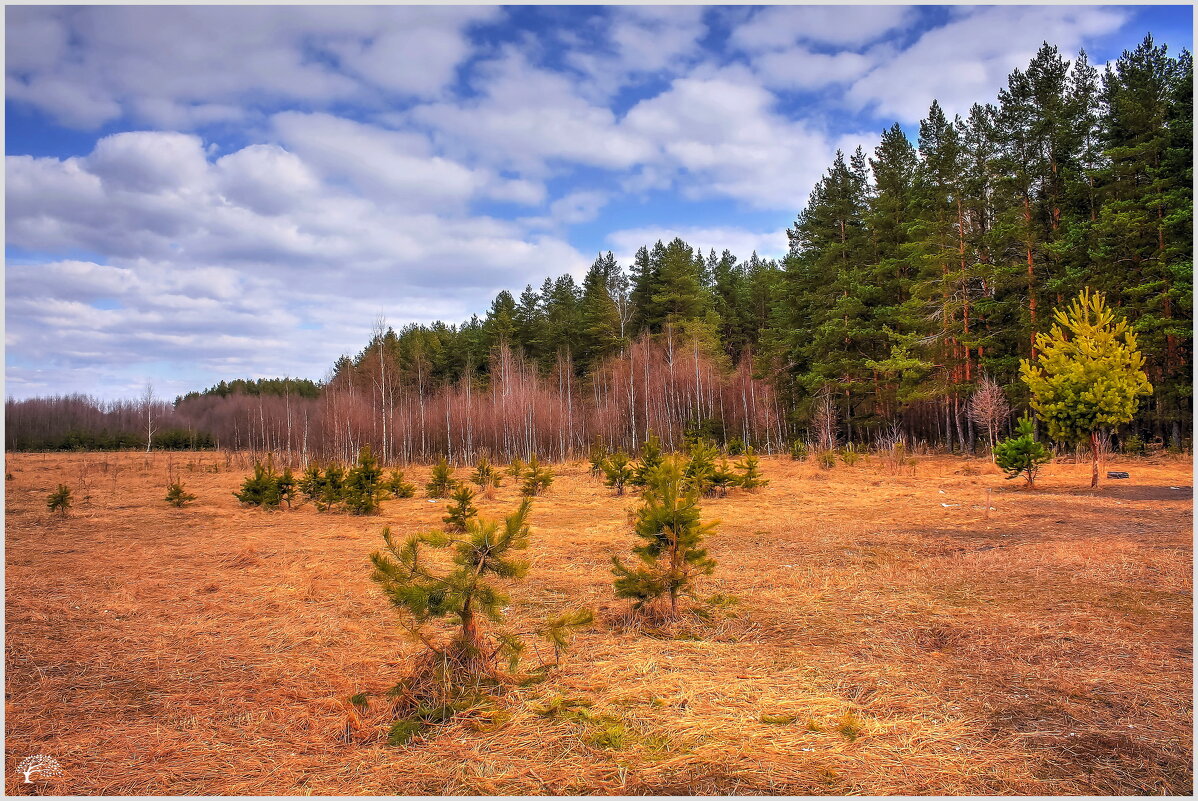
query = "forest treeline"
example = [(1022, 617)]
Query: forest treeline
[(913, 272)]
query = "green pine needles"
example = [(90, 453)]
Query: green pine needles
[(398, 487), (311, 484), (700, 468), (441, 482), (537, 478), (598, 456), (723, 477), (671, 556), (59, 500), (456, 613), (485, 475), (288, 486), (461, 511), (176, 496), (1088, 375), (462, 597), (262, 488), (750, 471), (363, 486), (617, 471), (332, 488), (1022, 454), (359, 490), (267, 488), (516, 468), (651, 457)]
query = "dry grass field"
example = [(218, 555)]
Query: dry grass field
[(890, 638)]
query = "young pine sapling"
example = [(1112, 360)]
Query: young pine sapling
[(537, 478), (617, 471), (288, 486), (176, 496), (398, 487), (516, 468), (671, 555), (485, 475), (598, 456), (363, 485), (1022, 454), (441, 482), (461, 511), (455, 614), (262, 488), (700, 467), (59, 500), (651, 457), (750, 471), (723, 477)]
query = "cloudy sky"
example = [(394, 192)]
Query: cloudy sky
[(205, 193)]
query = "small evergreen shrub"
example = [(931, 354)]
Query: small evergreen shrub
[(700, 466), (324, 490), (1133, 445), (59, 500), (455, 612), (176, 496), (849, 455), (442, 481), (485, 475), (617, 471), (311, 484), (363, 485), (288, 486), (536, 479), (671, 555), (333, 488), (750, 471), (798, 450), (516, 468), (736, 446), (461, 510), (1022, 454), (723, 477), (651, 458), (262, 488), (398, 487), (826, 460), (598, 457)]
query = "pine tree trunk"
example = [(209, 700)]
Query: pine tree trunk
[(1094, 458)]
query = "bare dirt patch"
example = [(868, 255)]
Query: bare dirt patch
[(889, 639)]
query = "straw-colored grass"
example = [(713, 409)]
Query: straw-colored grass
[(888, 638)]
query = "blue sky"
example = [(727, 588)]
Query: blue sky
[(197, 193)]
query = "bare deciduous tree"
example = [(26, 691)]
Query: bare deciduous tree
[(147, 405), (823, 421), (989, 408), (403, 409)]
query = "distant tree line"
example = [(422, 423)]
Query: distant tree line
[(79, 422), (915, 275), (299, 387)]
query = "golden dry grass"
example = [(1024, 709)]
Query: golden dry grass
[(884, 643)]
